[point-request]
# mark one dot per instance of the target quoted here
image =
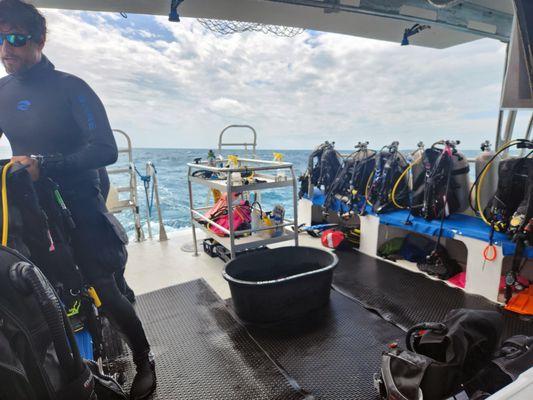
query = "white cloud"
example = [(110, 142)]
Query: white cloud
[(228, 107), (181, 90)]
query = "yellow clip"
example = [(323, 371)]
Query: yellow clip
[(75, 309), (94, 296), (278, 157)]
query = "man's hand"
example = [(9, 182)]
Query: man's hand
[(33, 165)]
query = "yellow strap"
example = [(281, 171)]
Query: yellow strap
[(5, 207), (94, 296)]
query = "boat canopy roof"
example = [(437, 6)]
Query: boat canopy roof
[(452, 24)]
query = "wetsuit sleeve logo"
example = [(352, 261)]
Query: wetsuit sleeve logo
[(23, 105), (91, 122)]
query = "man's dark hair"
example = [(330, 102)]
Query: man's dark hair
[(20, 14)]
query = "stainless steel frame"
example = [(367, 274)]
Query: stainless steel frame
[(261, 169)]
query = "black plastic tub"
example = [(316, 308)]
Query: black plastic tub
[(280, 284)]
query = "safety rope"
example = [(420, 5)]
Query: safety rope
[(147, 179)]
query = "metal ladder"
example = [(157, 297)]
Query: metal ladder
[(131, 202)]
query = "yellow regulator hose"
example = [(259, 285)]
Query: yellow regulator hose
[(368, 186), (404, 173), (5, 207)]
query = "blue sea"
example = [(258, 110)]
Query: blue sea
[(171, 165)]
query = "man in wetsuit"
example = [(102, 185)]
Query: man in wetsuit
[(57, 116)]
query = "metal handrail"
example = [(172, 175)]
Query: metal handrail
[(131, 202), (151, 172), (245, 144)]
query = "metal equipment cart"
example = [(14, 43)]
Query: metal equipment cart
[(265, 176)]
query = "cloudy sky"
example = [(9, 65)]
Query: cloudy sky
[(178, 85)]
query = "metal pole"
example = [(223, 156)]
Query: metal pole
[(230, 216), (498, 142), (509, 128), (191, 207), (162, 232), (528, 134), (295, 205)]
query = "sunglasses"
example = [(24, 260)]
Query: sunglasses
[(14, 39)]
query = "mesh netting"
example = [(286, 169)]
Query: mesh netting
[(222, 27), (443, 3)]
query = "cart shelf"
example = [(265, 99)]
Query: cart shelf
[(265, 177)]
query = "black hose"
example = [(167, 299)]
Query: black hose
[(53, 315), (436, 327)]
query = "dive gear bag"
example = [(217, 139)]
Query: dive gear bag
[(350, 183), (390, 165), (514, 357), (323, 165), (39, 355), (507, 209), (446, 183), (439, 357)]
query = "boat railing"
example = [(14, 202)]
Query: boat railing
[(244, 144), (152, 198), (117, 205)]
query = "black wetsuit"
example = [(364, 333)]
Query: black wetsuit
[(52, 113)]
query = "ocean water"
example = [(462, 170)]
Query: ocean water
[(171, 165)]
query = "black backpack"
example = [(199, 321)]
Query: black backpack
[(440, 357), (514, 357), (322, 168), (40, 357), (39, 228)]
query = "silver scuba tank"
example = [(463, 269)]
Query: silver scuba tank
[(461, 180), (490, 182), (418, 169)]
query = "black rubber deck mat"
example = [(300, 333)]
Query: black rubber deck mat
[(406, 298), (334, 353), (202, 352)]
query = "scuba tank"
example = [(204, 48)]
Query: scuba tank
[(349, 184), (390, 165), (418, 175), (446, 185), (490, 185)]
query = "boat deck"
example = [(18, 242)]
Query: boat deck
[(204, 351)]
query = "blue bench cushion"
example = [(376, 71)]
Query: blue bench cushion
[(455, 224)]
